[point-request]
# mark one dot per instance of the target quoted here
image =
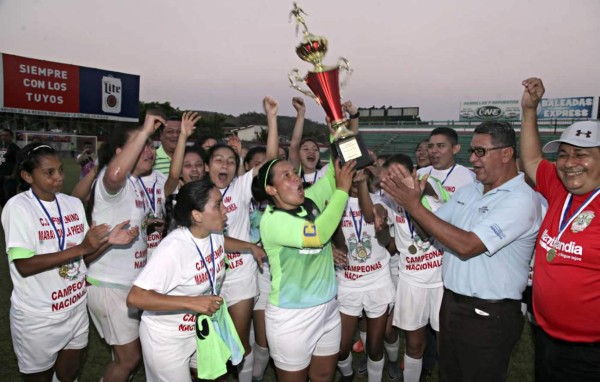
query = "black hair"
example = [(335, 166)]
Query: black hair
[(29, 159), (203, 138), (197, 150), (252, 152), (8, 131), (426, 140), (502, 134), (211, 152), (192, 196), (400, 159), (447, 132), (261, 180)]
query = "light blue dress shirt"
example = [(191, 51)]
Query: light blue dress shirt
[(506, 219)]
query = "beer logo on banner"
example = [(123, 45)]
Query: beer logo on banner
[(112, 91), (582, 221)]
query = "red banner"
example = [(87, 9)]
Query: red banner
[(40, 85)]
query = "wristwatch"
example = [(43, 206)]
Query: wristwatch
[(354, 116)]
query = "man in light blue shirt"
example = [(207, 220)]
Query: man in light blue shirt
[(488, 230)]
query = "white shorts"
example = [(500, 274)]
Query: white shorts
[(417, 306), (115, 322), (295, 335), (167, 357), (375, 302), (38, 339), (239, 289), (264, 287), (394, 270)]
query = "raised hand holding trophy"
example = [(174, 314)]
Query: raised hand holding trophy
[(325, 87)]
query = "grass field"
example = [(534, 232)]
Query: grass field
[(98, 353)]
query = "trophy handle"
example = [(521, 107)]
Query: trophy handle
[(295, 77), (344, 64)]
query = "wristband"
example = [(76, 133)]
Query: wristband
[(355, 116)]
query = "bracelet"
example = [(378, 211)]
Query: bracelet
[(355, 116)]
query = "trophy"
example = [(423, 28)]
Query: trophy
[(325, 88)]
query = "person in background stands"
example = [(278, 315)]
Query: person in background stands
[(86, 159), (169, 135), (8, 166)]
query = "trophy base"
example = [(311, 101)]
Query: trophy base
[(352, 148)]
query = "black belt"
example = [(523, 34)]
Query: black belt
[(471, 300)]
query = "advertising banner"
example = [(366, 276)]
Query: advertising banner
[(490, 110), (566, 108), (31, 86)]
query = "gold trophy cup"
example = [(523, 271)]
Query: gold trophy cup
[(325, 88)]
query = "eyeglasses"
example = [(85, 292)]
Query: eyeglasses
[(482, 151)]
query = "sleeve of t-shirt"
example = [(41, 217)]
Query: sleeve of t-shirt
[(244, 186), (546, 179), (17, 228), (161, 273), (286, 230), (508, 220)]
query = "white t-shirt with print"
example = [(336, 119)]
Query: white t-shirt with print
[(121, 264), (26, 226), (236, 199), (367, 259), (155, 199), (176, 269), (453, 178), (423, 268), (314, 176)]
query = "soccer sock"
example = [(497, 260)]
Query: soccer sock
[(412, 369), (375, 369), (261, 360), (392, 350), (245, 373), (363, 339), (345, 366)]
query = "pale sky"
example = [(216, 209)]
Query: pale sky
[(226, 55)]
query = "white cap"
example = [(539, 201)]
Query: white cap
[(580, 134)]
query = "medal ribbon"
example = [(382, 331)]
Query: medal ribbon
[(151, 200), (61, 240), (225, 192), (411, 227), (357, 228), (211, 279), (564, 223)]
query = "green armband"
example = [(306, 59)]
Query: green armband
[(16, 253)]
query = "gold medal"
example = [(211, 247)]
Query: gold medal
[(550, 255), (412, 249), (361, 253)]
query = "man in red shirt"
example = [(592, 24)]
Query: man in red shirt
[(566, 281)]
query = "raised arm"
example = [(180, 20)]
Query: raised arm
[(294, 156), (530, 147), (188, 122), (122, 164), (271, 107), (83, 188)]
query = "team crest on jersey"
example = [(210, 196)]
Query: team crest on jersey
[(69, 271), (360, 250), (582, 221)]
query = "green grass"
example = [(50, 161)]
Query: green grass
[(98, 353)]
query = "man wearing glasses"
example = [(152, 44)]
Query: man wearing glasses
[(488, 230), (566, 281)]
